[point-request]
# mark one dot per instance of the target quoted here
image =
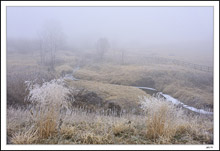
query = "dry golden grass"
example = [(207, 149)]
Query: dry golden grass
[(166, 123), (63, 69), (90, 128), (22, 59), (162, 123), (125, 96), (194, 88), (25, 137), (43, 116), (108, 73), (162, 126), (122, 128), (31, 127), (46, 123), (68, 131)]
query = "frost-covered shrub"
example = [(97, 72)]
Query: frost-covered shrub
[(49, 93), (49, 100)]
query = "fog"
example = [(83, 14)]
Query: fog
[(176, 29), (109, 75)]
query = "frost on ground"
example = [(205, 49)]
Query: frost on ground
[(44, 122), (160, 123), (49, 93)]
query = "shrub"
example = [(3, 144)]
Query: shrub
[(49, 101), (163, 119)]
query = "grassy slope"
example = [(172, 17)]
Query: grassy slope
[(160, 127), (191, 87), (125, 96)]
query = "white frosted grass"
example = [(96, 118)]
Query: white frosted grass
[(148, 104), (49, 93)]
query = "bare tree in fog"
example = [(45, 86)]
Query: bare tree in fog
[(102, 47), (51, 39), (122, 56), (42, 49)]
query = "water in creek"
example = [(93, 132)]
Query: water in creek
[(152, 92), (167, 97)]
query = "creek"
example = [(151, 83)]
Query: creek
[(153, 92)]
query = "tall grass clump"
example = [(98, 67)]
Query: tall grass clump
[(48, 101), (28, 136), (164, 120)]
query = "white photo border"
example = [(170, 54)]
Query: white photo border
[(5, 4)]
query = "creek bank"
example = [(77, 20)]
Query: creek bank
[(148, 90), (169, 98)]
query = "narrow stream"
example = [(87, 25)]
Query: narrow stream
[(169, 98), (152, 91), (70, 75)]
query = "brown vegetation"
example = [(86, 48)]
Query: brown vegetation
[(103, 107), (89, 128), (194, 88)]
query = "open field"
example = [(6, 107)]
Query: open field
[(110, 74), (192, 87), (162, 124), (104, 107)]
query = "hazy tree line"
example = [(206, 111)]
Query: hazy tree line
[(102, 47), (50, 40)]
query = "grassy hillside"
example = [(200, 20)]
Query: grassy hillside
[(102, 107), (125, 97), (192, 87)]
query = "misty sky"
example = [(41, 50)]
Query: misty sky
[(134, 25)]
